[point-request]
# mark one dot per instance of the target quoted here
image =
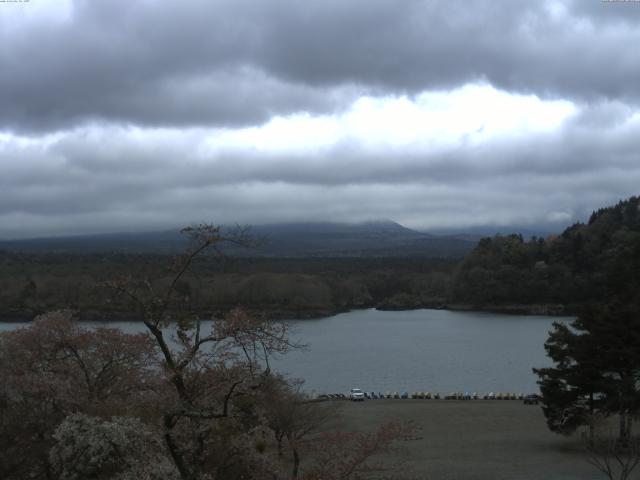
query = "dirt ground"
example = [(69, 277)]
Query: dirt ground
[(473, 440)]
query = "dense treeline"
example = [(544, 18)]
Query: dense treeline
[(282, 287), (587, 263)]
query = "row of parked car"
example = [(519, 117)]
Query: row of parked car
[(332, 396), (356, 394)]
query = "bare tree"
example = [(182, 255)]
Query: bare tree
[(616, 459), (210, 368), (295, 417)]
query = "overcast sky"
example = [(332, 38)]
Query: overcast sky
[(132, 115)]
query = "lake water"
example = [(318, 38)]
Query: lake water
[(418, 350)]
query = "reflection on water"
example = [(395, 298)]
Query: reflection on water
[(418, 350)]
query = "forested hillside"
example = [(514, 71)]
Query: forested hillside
[(587, 263), (279, 287)]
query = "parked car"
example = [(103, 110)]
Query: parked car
[(532, 399), (356, 395)]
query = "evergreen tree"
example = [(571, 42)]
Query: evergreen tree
[(571, 390), (596, 369), (591, 262)]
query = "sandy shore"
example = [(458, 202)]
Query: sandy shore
[(473, 440)]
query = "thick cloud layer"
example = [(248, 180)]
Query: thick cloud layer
[(232, 62), (122, 115)]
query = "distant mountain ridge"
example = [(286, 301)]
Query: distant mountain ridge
[(305, 239)]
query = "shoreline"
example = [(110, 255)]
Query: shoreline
[(315, 314), (552, 310)]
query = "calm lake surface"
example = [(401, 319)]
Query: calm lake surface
[(418, 350)]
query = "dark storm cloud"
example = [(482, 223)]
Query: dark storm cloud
[(122, 115), (239, 62)]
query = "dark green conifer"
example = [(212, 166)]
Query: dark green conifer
[(596, 369)]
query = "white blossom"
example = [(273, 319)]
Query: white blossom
[(122, 448)]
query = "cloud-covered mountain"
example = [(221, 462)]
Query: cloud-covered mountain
[(311, 239)]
